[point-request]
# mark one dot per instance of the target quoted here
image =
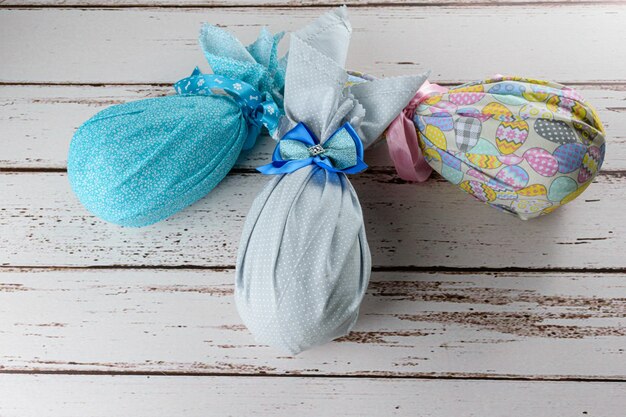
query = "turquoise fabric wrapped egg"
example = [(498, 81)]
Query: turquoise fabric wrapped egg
[(137, 163)]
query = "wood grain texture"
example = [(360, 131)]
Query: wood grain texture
[(131, 45), (37, 123), (429, 225), (506, 325), (141, 396), (284, 3), (434, 309)]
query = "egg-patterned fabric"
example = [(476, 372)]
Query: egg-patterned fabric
[(140, 162), (521, 145), (304, 262)]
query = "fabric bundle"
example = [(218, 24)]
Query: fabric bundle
[(138, 163), (521, 145), (304, 262)]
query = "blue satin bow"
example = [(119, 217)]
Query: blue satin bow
[(257, 108), (342, 152)]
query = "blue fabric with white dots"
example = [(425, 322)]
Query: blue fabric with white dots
[(137, 163), (304, 262)]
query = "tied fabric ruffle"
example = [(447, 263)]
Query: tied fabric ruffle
[(402, 140), (258, 64), (342, 152), (257, 108)]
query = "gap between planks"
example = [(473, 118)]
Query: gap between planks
[(390, 376), (426, 269), (618, 173), (614, 85), (311, 4)]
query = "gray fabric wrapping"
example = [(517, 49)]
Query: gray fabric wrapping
[(304, 262)]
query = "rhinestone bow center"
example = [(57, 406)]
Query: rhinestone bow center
[(316, 150)]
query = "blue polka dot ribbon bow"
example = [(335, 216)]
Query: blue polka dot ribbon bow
[(257, 108), (342, 152)]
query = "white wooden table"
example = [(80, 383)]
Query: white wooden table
[(469, 312)]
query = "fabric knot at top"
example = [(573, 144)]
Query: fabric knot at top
[(342, 152), (259, 109)]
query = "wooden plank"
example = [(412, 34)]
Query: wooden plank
[(279, 3), (141, 396), (160, 45), (524, 325), (429, 225), (37, 122)]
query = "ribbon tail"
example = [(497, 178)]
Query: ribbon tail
[(359, 167), (284, 167), (270, 169), (270, 118), (253, 134), (405, 151)]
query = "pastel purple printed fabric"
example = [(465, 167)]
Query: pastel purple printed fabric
[(521, 145)]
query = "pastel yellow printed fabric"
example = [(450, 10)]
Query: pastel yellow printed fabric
[(521, 145)]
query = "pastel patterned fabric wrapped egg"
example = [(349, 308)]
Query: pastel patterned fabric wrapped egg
[(137, 163), (521, 145), (304, 262)]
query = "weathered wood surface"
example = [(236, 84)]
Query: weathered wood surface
[(429, 225), (37, 122), (131, 46), (141, 396), (525, 325), (565, 321)]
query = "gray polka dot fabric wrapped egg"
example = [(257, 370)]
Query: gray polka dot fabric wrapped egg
[(304, 262), (137, 163), (521, 145)]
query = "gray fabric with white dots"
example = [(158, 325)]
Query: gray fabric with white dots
[(304, 262)]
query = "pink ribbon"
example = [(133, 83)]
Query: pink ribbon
[(402, 141)]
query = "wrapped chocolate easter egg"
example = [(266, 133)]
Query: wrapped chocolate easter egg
[(521, 145), (137, 163), (304, 262)]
